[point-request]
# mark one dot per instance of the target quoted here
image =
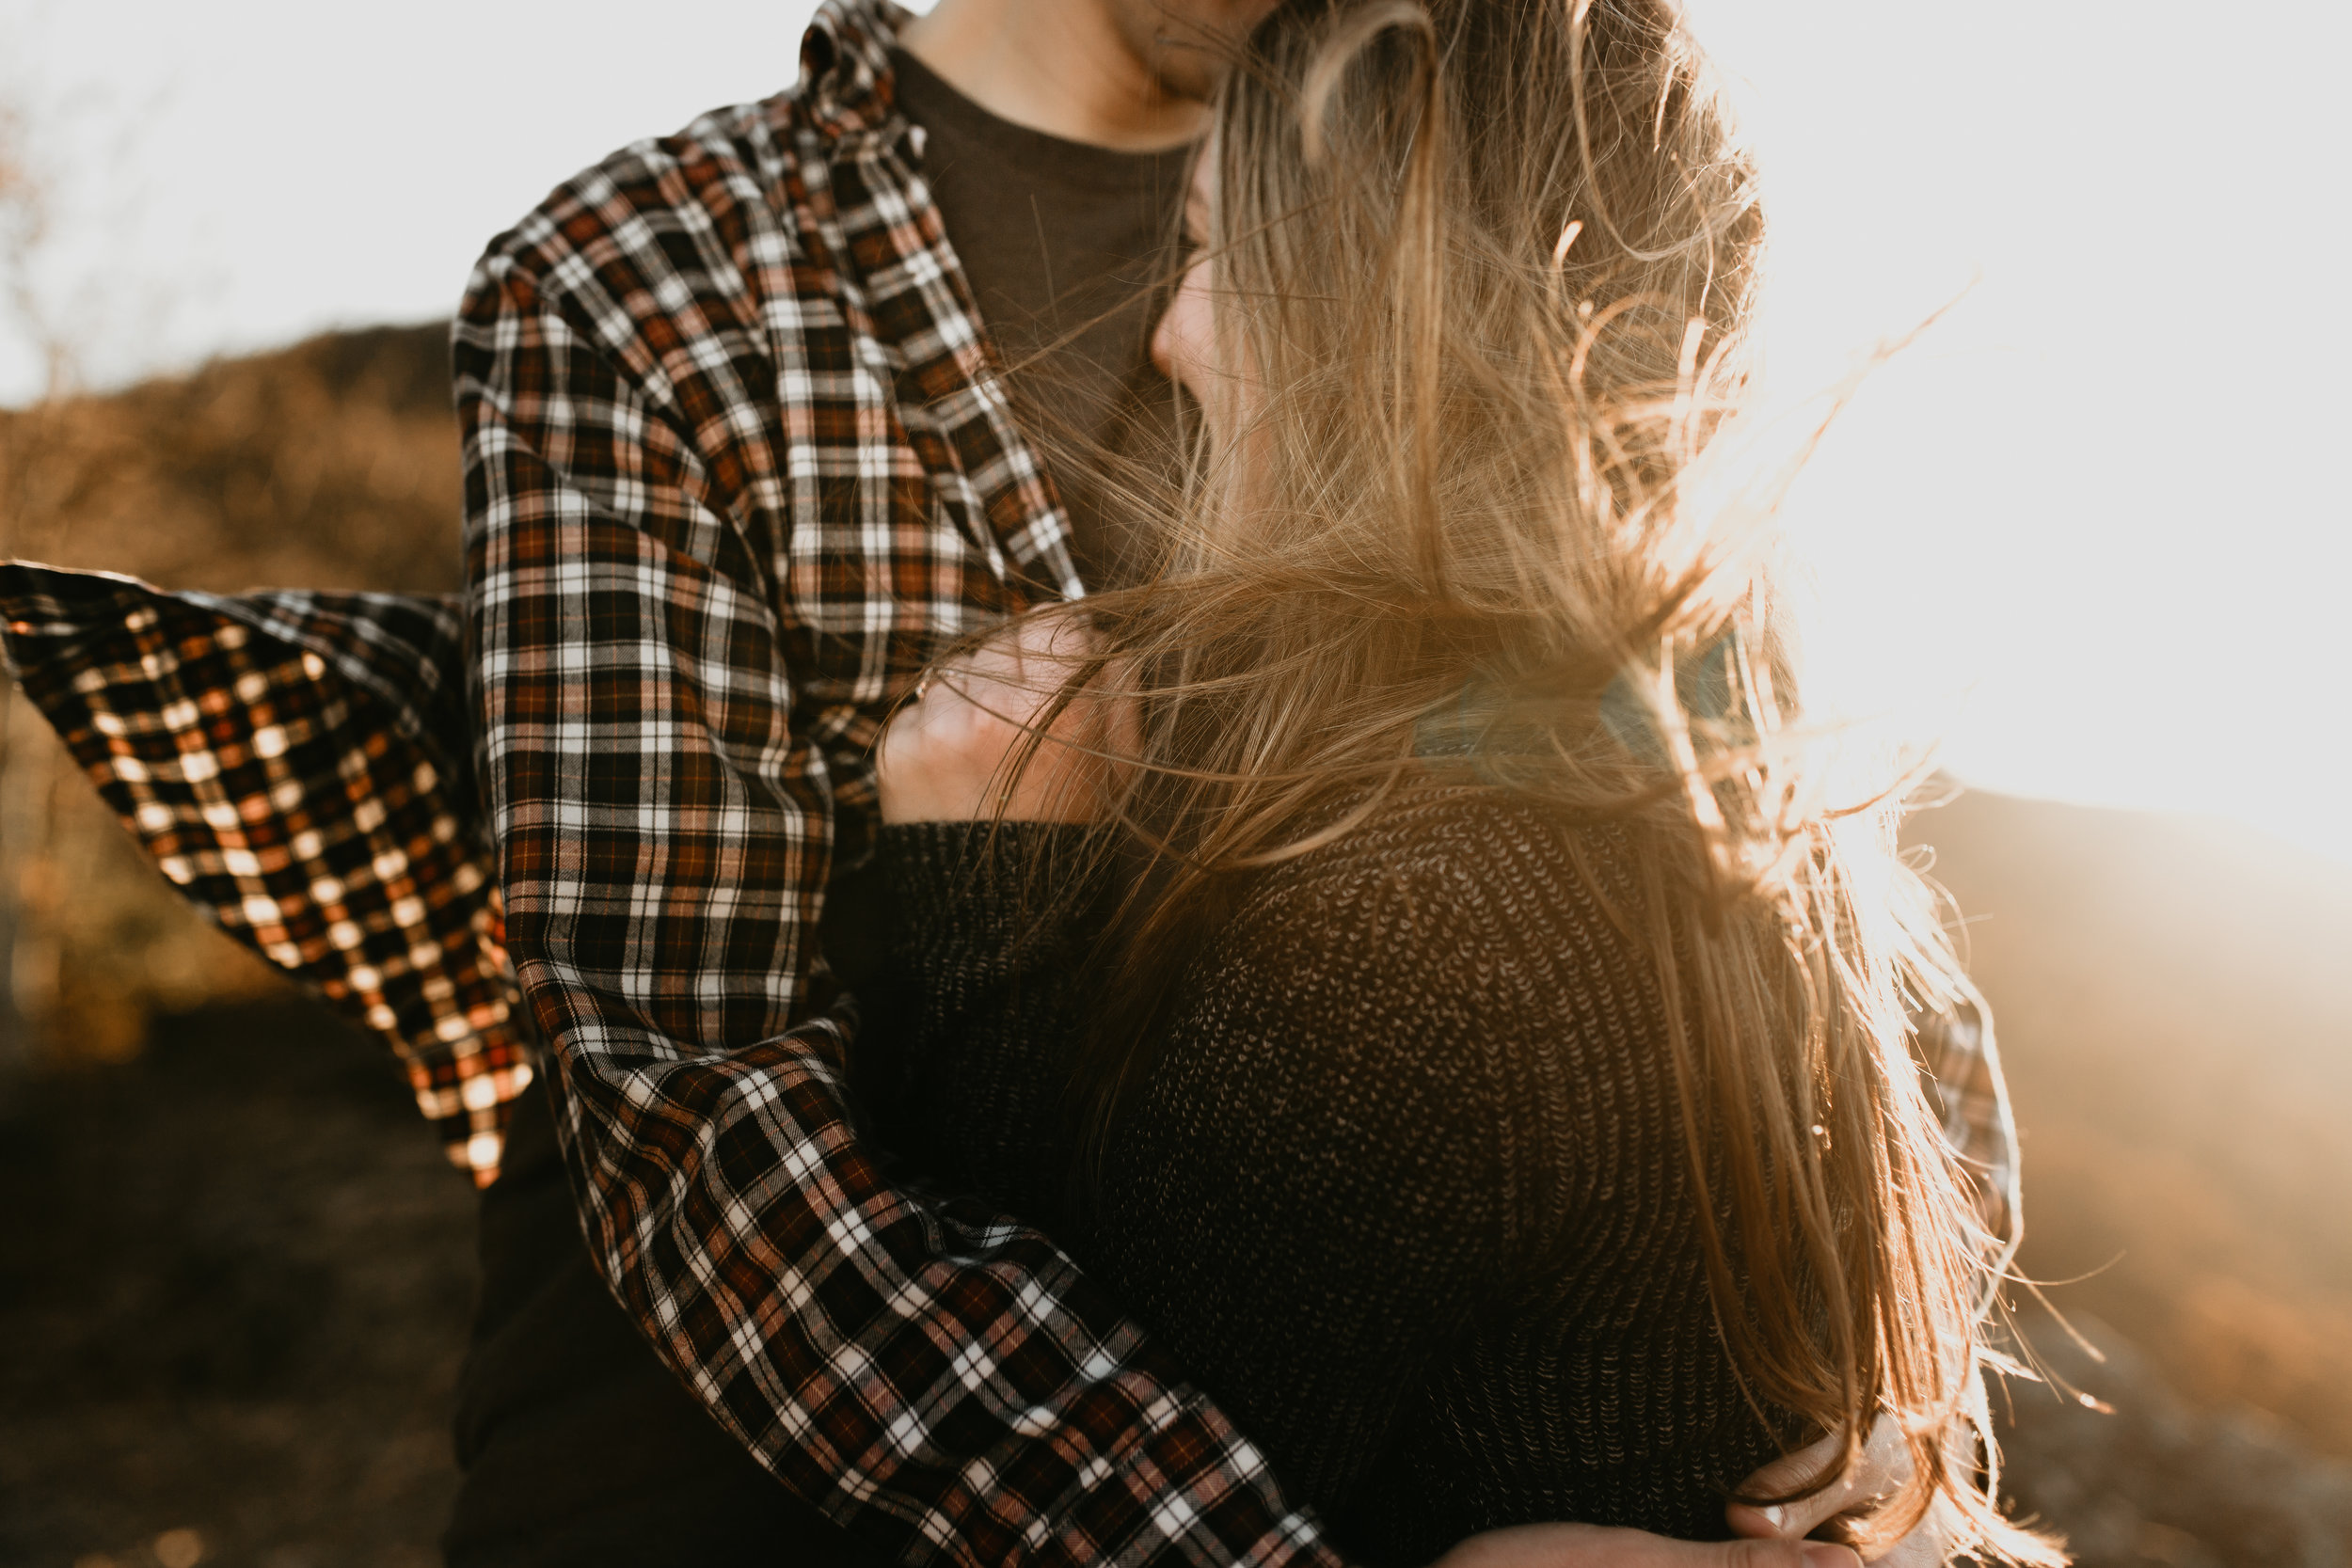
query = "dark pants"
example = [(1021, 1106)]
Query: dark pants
[(579, 1448)]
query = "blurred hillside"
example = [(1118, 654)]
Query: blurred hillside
[(2172, 1001), (239, 1304), (332, 464)]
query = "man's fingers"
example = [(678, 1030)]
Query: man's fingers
[(1014, 674), (1591, 1546), (1802, 1517), (1772, 1553), (1884, 1464)]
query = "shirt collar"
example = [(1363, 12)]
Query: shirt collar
[(846, 85)]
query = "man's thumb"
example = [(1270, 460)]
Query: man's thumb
[(1787, 1554)]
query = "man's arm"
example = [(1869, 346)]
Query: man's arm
[(294, 763), (947, 1384), (1962, 1068), (142, 684)]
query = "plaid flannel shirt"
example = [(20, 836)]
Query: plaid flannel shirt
[(739, 459), (299, 763)]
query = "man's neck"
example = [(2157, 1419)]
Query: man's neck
[(1058, 66)]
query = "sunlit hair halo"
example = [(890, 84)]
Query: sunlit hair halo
[(1482, 270)]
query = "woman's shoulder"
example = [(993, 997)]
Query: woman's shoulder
[(1451, 863), (1453, 932), (1450, 991), (1496, 927)]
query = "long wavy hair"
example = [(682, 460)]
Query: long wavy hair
[(1482, 271)]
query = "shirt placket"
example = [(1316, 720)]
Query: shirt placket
[(950, 521)]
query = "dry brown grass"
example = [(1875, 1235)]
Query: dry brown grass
[(332, 464)]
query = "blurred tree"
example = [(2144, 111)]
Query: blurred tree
[(28, 961)]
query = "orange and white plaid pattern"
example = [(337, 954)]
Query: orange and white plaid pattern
[(276, 755)]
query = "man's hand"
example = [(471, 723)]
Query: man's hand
[(1770, 1537), (950, 756), (1885, 1464), (1592, 1546)]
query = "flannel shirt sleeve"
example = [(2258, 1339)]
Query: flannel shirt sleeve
[(295, 765), (1963, 1066), (943, 1383)]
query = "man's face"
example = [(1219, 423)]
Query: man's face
[(1187, 44)]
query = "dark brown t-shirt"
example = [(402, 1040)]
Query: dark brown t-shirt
[(1069, 250)]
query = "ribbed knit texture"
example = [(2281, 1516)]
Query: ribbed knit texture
[(1405, 1190)]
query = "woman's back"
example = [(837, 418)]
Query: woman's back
[(1411, 1181), (1405, 1186)]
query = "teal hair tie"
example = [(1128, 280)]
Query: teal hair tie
[(1705, 684), (1473, 726)]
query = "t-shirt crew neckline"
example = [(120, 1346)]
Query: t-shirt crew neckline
[(938, 106)]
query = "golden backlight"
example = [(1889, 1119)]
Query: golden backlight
[(2094, 523)]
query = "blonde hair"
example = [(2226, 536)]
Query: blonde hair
[(1482, 271)]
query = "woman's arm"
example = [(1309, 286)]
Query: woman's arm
[(991, 937)]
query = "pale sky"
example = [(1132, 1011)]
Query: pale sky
[(2092, 524)]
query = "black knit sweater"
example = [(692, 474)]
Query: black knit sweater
[(1406, 1189)]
